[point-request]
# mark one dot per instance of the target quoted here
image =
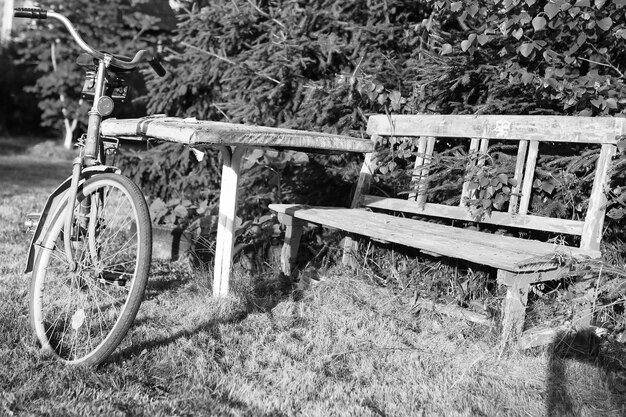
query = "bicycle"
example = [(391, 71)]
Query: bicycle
[(90, 253)]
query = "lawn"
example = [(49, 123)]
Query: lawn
[(343, 346)]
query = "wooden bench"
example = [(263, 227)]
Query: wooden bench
[(519, 261)]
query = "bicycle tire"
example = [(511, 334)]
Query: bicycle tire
[(81, 313)]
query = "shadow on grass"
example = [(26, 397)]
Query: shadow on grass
[(583, 346), (262, 295)]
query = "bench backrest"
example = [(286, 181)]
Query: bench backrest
[(476, 131)]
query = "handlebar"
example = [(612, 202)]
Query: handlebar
[(139, 57)]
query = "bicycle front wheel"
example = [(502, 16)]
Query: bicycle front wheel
[(81, 311)]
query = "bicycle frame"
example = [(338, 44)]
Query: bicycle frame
[(88, 162)]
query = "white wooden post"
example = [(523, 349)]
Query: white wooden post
[(227, 220), (7, 21)]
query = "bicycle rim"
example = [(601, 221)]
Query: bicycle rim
[(82, 314)]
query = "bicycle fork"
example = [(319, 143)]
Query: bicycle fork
[(89, 158)]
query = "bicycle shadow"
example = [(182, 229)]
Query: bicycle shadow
[(586, 347), (265, 295)]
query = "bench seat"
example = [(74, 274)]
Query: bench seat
[(498, 251)]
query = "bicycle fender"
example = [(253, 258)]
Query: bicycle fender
[(53, 203)]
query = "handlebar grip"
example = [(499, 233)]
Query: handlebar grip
[(30, 13), (156, 66)]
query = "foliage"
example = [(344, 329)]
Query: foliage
[(291, 63), (18, 112), (117, 26), (489, 188)]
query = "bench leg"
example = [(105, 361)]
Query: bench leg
[(514, 308), (514, 305), (293, 233), (350, 248), (225, 239)]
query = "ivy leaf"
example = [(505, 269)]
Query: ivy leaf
[(504, 179), (539, 23), (466, 44), (483, 39), (518, 33), (456, 6), (605, 24), (526, 49), (583, 3), (446, 49), (599, 3), (617, 213), (472, 9), (551, 9), (527, 77), (621, 144), (547, 186), (396, 100), (611, 103), (531, 2)]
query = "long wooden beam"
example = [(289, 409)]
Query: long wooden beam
[(505, 127)]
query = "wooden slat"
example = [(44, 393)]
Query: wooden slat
[(529, 176), (519, 170), (474, 144), (420, 199), (506, 127), (417, 172), (594, 219), (501, 252), (525, 221), (198, 133)]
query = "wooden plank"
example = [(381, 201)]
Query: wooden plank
[(572, 129), (420, 198), (350, 246), (416, 178), (594, 219), (474, 144), (502, 252), (529, 176), (519, 171), (201, 133), (525, 221), (225, 239)]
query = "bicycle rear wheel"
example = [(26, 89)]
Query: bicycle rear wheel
[(82, 312)]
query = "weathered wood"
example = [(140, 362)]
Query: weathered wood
[(473, 149), (513, 308), (453, 310), (594, 219), (505, 127), (541, 336), (529, 176), (518, 176), (520, 262), (524, 221), (201, 133), (225, 239), (499, 251), (420, 198), (293, 233), (351, 246)]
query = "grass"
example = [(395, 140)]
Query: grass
[(344, 346)]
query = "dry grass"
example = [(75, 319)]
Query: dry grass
[(343, 346)]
